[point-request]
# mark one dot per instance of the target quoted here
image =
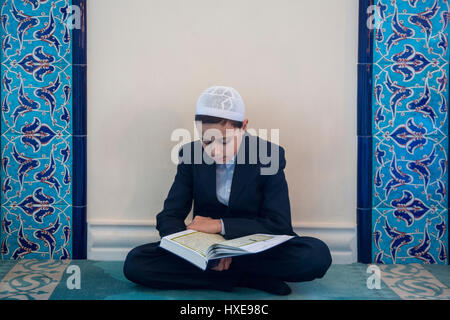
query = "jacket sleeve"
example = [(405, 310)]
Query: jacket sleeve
[(275, 213), (178, 203)]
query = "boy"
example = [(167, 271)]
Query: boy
[(232, 197)]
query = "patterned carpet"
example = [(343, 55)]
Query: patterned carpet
[(43, 279)]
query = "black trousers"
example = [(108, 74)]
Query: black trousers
[(298, 259)]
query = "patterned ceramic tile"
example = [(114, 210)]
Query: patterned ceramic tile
[(410, 132), (406, 235), (413, 282), (36, 230), (36, 129), (32, 280)]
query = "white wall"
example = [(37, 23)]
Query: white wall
[(294, 62)]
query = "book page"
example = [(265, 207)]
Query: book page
[(196, 241), (244, 241), (257, 242)]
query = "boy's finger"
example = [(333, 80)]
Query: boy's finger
[(222, 264), (219, 266)]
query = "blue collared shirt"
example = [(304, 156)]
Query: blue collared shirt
[(224, 177)]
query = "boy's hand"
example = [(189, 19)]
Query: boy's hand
[(224, 264), (205, 224)]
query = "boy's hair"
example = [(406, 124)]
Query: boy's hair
[(211, 119)]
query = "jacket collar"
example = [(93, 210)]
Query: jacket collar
[(243, 171)]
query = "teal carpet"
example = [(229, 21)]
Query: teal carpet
[(48, 280)]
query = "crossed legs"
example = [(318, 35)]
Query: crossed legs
[(299, 259)]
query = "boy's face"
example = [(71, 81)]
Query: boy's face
[(221, 141)]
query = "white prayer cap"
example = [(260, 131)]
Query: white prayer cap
[(221, 102)]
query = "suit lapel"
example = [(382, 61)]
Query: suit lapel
[(242, 172), (209, 179)]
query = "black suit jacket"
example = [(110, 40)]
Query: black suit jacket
[(258, 203)]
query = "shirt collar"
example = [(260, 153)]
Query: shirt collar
[(229, 163)]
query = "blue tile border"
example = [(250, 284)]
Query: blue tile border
[(403, 68), (44, 75), (79, 220), (365, 35), (79, 136), (364, 230), (364, 132), (79, 36), (448, 175), (364, 103), (79, 239)]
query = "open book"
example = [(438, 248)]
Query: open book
[(201, 248)]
